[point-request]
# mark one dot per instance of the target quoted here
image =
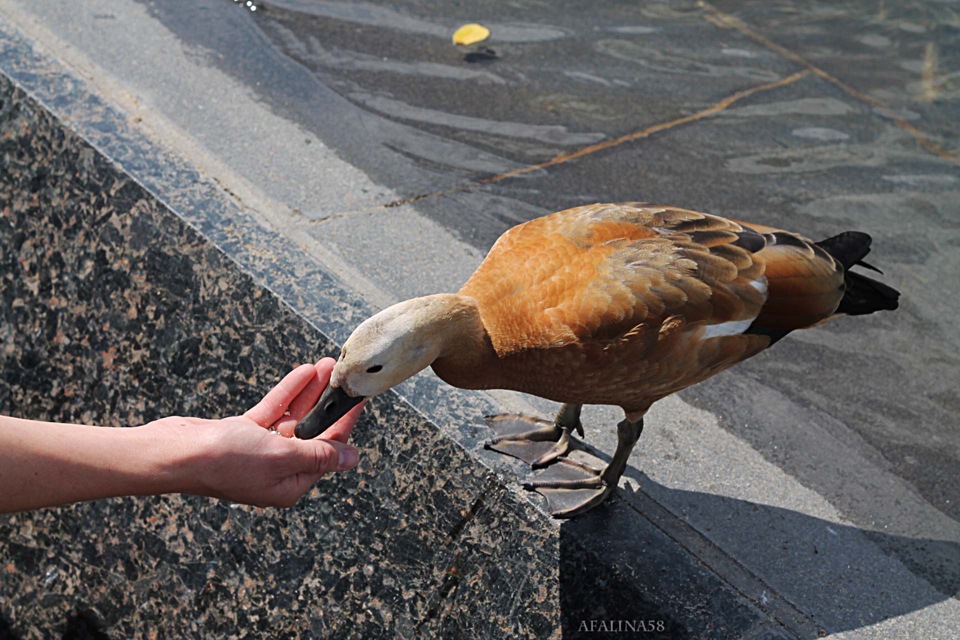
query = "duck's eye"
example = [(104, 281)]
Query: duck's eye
[(375, 368)]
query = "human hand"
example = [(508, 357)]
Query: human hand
[(241, 458)]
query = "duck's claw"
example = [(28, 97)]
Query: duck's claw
[(533, 440), (570, 487)]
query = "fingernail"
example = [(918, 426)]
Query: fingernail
[(348, 458)]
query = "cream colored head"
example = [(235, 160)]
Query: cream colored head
[(398, 342)]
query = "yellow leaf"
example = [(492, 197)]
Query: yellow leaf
[(470, 34)]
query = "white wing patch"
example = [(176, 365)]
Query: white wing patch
[(736, 327), (760, 284), (732, 328)]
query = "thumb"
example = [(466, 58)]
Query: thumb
[(319, 456)]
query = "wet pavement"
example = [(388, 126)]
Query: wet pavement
[(361, 133)]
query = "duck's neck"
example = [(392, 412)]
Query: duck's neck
[(455, 325), (464, 345)]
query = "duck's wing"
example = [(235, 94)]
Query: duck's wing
[(613, 272)]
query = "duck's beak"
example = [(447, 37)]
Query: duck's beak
[(334, 403)]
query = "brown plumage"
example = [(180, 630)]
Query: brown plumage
[(621, 295), (617, 304)]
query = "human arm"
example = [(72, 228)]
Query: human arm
[(236, 458)]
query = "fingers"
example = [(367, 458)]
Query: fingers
[(275, 403), (324, 368), (315, 458), (319, 456), (307, 398)]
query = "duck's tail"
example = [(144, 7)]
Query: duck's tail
[(863, 295)]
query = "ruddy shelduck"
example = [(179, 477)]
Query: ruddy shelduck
[(619, 304)]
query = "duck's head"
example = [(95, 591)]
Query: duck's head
[(382, 352)]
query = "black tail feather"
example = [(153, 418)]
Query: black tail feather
[(849, 247), (866, 295), (867, 265), (863, 295)]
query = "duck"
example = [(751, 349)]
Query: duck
[(611, 303)]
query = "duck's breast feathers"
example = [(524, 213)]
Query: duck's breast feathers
[(616, 271)]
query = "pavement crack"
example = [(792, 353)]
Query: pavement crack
[(726, 21), (603, 145), (651, 130), (929, 74)]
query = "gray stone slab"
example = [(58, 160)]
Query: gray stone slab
[(186, 101), (902, 54), (397, 260), (559, 82)]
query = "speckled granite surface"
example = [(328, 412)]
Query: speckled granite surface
[(114, 311)]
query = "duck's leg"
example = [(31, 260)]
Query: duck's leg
[(534, 440), (572, 488)]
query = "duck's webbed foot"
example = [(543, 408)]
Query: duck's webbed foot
[(534, 440), (572, 488)]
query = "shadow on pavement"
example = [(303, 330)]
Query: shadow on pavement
[(830, 572)]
